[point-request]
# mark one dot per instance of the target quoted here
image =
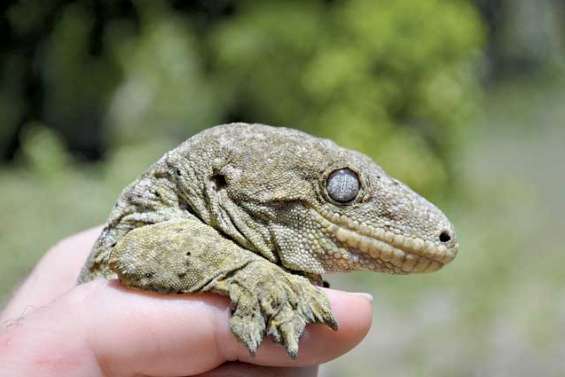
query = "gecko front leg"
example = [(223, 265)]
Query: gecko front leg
[(189, 256)]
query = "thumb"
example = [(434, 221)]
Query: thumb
[(116, 331)]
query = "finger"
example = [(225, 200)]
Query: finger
[(189, 334), (55, 274), (237, 369), (130, 332)]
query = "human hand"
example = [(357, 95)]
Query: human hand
[(51, 327)]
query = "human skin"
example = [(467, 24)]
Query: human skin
[(52, 327)]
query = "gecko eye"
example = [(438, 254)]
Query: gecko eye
[(343, 185)]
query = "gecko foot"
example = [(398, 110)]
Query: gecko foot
[(280, 305)]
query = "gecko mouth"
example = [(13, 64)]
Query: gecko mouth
[(386, 250)]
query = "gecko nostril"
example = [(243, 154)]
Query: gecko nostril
[(444, 236)]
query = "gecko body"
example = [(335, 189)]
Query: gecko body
[(258, 214)]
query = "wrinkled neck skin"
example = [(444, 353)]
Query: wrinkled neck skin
[(266, 189)]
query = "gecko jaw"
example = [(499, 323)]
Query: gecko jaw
[(403, 254)]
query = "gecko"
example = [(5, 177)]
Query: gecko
[(259, 214)]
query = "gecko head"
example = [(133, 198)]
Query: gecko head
[(378, 223), (316, 207)]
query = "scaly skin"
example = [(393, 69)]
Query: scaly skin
[(249, 211)]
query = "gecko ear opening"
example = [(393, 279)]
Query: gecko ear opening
[(218, 181)]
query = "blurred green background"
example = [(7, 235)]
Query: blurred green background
[(462, 100)]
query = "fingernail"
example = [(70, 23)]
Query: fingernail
[(366, 296)]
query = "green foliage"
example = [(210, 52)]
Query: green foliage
[(78, 84), (165, 92), (44, 153), (394, 79)]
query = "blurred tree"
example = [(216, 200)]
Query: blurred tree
[(54, 68), (166, 91), (525, 38), (394, 79)]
